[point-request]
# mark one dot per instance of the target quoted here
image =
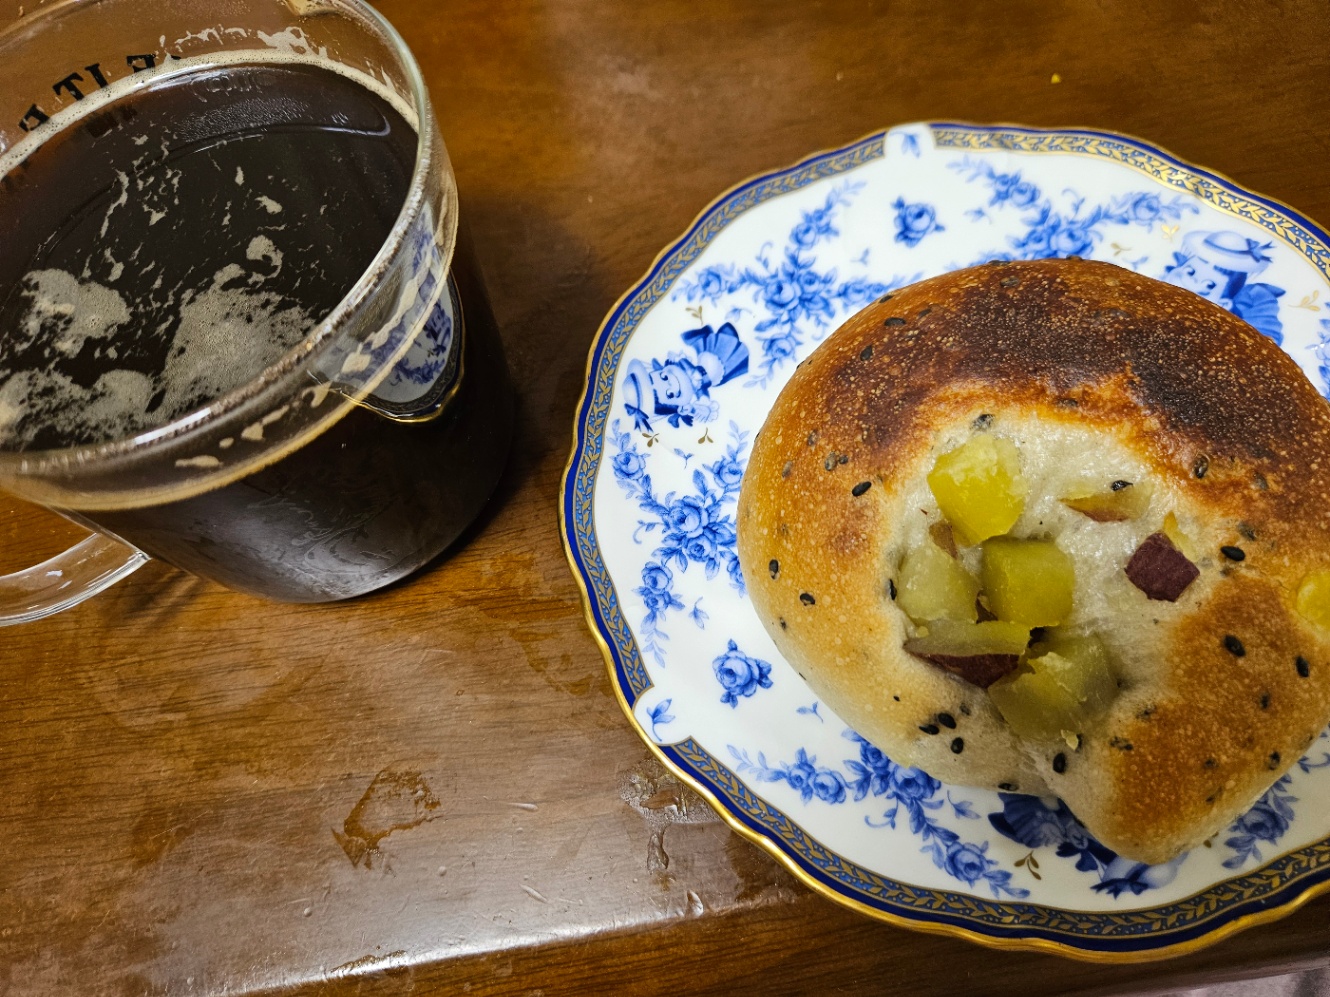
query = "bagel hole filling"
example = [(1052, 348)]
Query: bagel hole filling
[(1011, 567)]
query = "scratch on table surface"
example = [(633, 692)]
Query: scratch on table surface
[(365, 961)]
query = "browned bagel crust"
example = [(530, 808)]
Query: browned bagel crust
[(1214, 408)]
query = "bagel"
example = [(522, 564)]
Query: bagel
[(1052, 527)]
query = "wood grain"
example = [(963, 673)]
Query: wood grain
[(196, 784)]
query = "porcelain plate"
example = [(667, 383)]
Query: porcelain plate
[(681, 377)]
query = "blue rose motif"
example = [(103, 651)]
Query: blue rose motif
[(1052, 235), (1144, 208), (736, 574), (1010, 188), (815, 225), (740, 675), (874, 759), (1023, 194), (629, 465), (1071, 241), (657, 577), (688, 516), (795, 289), (859, 291), (710, 283), (911, 784), (801, 774), (655, 590), (805, 233), (809, 281), (728, 471), (914, 221), (966, 862), (780, 347), (782, 291), (701, 548), (829, 786), (1262, 822), (804, 775), (873, 770)]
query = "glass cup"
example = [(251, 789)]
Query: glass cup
[(342, 454)]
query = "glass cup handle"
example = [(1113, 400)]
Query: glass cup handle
[(89, 567)]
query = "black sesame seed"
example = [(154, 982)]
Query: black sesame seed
[(957, 745), (1233, 553), (844, 459), (965, 709), (1007, 787), (1059, 763), (1117, 486), (783, 624), (1234, 646), (785, 471), (774, 567), (884, 299), (896, 698), (1303, 666), (860, 488), (1247, 532), (807, 599), (1273, 762), (1265, 701), (929, 728), (866, 353), (830, 463), (894, 320), (1009, 281), (812, 438), (983, 421), (891, 588), (1260, 482), (924, 312), (1201, 466), (1210, 763), (1212, 797), (947, 721)]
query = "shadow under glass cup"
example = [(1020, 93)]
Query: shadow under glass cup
[(238, 327)]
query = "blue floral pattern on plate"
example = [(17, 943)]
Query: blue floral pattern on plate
[(682, 375)]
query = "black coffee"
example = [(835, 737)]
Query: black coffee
[(171, 246)]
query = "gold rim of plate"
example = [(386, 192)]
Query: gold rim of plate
[(1283, 221)]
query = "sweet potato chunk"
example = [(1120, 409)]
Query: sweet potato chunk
[(1160, 570), (1066, 680), (1114, 503), (980, 653), (1314, 598), (1028, 581), (979, 488), (935, 586)]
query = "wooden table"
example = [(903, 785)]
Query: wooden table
[(433, 789)]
